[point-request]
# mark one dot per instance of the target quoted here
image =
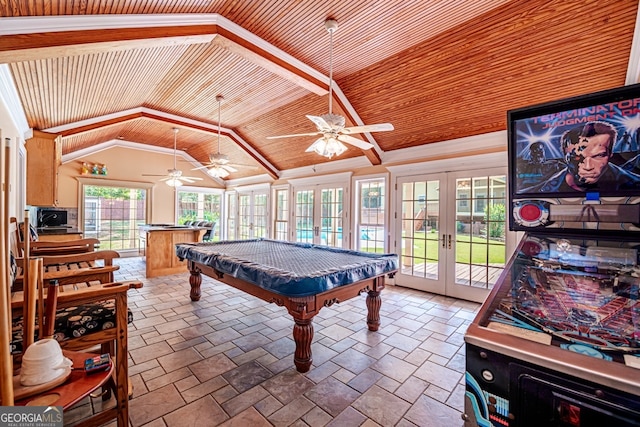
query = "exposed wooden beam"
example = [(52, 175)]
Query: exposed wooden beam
[(70, 129), (252, 152), (32, 46), (100, 124), (270, 62), (372, 154)]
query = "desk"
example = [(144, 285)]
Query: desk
[(301, 277)]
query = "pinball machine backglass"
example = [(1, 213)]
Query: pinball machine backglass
[(557, 342)]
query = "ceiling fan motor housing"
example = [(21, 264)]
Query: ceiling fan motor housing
[(334, 120)]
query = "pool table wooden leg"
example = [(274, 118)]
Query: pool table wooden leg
[(195, 280), (373, 307), (303, 335)]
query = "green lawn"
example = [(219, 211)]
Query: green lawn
[(469, 249)]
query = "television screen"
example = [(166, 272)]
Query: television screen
[(575, 163)]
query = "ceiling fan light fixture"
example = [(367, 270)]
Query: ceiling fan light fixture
[(174, 182), (217, 172), (328, 147)]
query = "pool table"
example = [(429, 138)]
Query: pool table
[(301, 277)]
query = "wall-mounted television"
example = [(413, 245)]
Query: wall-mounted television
[(574, 164)]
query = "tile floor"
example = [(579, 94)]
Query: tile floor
[(227, 360)]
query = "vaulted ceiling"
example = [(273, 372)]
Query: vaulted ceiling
[(115, 70)]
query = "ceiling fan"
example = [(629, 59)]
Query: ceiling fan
[(174, 177), (331, 126), (219, 165)]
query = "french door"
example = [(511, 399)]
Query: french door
[(451, 232), (319, 215), (252, 215)]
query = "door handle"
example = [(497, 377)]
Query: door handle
[(449, 241), (316, 230), (444, 245)]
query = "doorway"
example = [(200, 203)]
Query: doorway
[(319, 215), (451, 232)]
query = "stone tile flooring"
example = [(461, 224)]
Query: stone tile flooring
[(227, 359)]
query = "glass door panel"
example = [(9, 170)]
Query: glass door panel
[(421, 244), (304, 216), (479, 234), (331, 217), (259, 216), (231, 216), (281, 222), (453, 232), (244, 216), (371, 234), (252, 215)]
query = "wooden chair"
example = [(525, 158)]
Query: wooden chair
[(77, 246), (25, 303), (39, 248), (73, 273), (82, 284)]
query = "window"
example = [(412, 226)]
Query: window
[(200, 205), (112, 212)]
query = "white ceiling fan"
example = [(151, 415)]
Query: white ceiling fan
[(219, 165), (174, 177), (331, 126)]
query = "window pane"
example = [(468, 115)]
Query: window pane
[(371, 216), (281, 226), (195, 206)]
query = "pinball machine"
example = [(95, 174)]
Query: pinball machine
[(557, 341)]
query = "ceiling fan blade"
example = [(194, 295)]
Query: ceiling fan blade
[(294, 135), (320, 122), (355, 141), (202, 167), (368, 128), (152, 174)]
